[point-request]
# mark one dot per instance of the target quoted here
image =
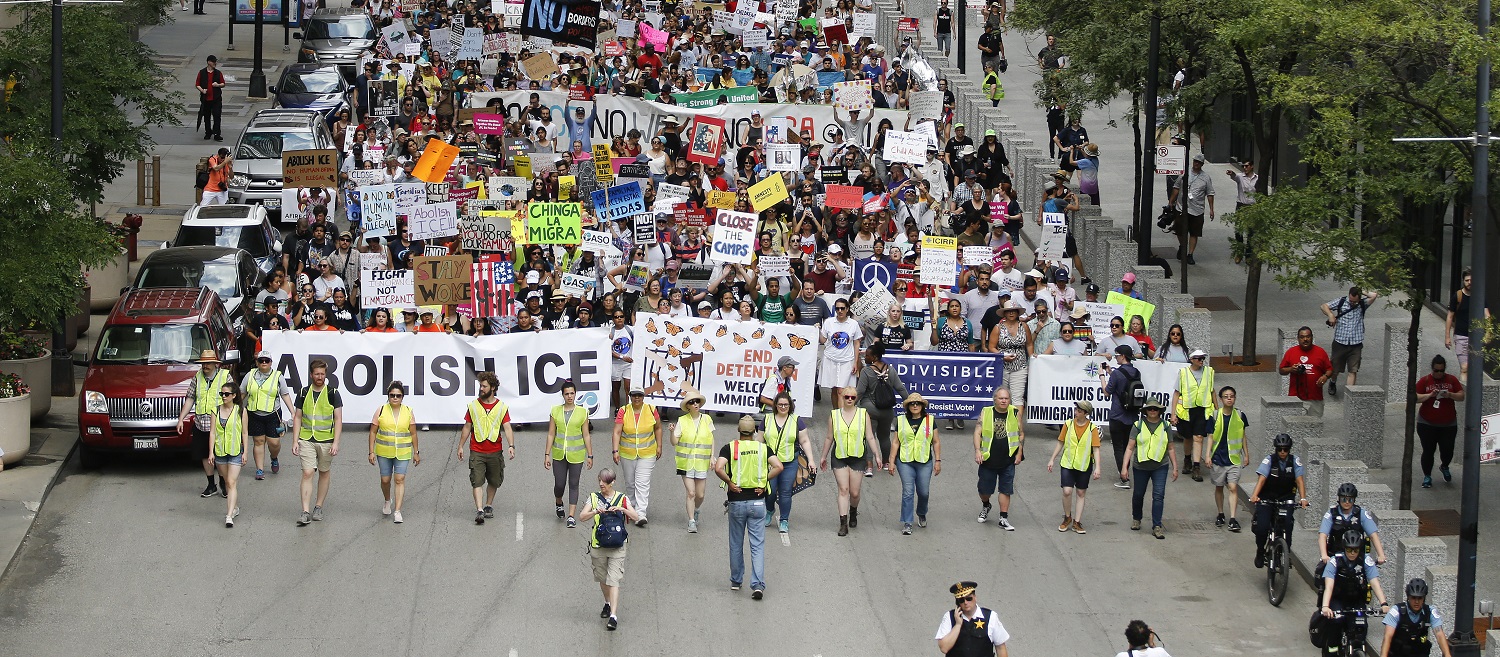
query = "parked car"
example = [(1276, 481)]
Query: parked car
[(235, 226), (337, 36), (257, 155), (229, 272), (142, 366), (319, 87)]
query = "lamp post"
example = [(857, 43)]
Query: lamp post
[(1148, 163), (258, 76)]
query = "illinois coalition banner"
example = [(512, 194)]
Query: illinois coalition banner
[(1057, 382), (438, 369), (724, 361), (955, 385)]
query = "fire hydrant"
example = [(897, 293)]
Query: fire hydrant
[(132, 224)]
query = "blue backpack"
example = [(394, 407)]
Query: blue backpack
[(609, 531)]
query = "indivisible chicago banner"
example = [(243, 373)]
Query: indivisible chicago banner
[(724, 361), (439, 369), (955, 385), (1056, 383)]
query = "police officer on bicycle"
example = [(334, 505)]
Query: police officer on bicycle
[(1346, 580), (1281, 480), (1344, 516), (1407, 626)]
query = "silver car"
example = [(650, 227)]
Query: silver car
[(235, 226), (257, 155)]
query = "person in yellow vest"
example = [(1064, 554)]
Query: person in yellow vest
[(919, 456), (318, 424), (608, 562), (747, 466), (1153, 457), (231, 440), (1192, 401), (200, 403), (786, 436), (999, 446), (851, 440), (1078, 442), (266, 396), (394, 445), (1228, 452), (487, 432), (693, 436), (637, 447), (572, 450)]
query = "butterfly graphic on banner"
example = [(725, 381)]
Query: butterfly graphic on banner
[(494, 288)]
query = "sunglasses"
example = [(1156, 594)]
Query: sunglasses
[(967, 598), (1283, 449), (262, 360), (850, 397), (395, 395), (1196, 358)]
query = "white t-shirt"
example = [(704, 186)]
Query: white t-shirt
[(1012, 280), (997, 632), (843, 338), (1149, 652)]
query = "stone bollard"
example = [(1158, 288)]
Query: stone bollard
[(1315, 449), (1411, 558), (1089, 240), (1273, 414), (1196, 327), (1337, 472), (1120, 257), (1364, 417), (1395, 361), (1442, 592), (1396, 524), (1286, 338), (1149, 280), (1098, 264), (1378, 498)]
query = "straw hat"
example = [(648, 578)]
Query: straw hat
[(691, 396), (208, 356), (914, 398)]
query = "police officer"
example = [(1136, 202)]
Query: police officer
[(1345, 579), (1408, 624), (970, 630), (1344, 516), (1281, 477)]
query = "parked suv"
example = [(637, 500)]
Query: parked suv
[(257, 155), (337, 36), (230, 272), (142, 366), (245, 227)]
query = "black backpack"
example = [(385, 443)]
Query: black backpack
[(609, 532), (884, 396), (1135, 392)]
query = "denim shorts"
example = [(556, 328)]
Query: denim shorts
[(388, 466), (230, 460), (1004, 480)]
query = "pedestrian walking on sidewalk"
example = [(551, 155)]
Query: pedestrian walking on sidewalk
[(636, 446), (1346, 315), (943, 29), (851, 440), (488, 433), (231, 440), (919, 456), (693, 436), (998, 448), (1200, 198), (1227, 452), (266, 397), (1308, 367), (746, 467), (1078, 442), (1192, 400), (610, 510), (970, 630), (394, 445), (318, 424), (1437, 418), (786, 436), (202, 397), (1154, 456), (1456, 327), (572, 449)]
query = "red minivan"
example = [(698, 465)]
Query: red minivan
[(141, 368)]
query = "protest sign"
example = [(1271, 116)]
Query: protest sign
[(409, 195), (694, 276), (721, 200), (1100, 314), (310, 168), (507, 188), (707, 140), (574, 23), (690, 214), (637, 276), (925, 104), (903, 146), (442, 279), (835, 175), (656, 39), (437, 158), (578, 285), (489, 124), (603, 168), (756, 38), (489, 231), (599, 242), (767, 193), (433, 220), (872, 307), (725, 361), (853, 95), (870, 274), (374, 260), (643, 228), (669, 190), (774, 266), (1054, 236), (378, 207), (783, 157), (906, 24), (362, 177), (835, 34), (978, 255), (939, 260), (864, 25), (618, 202), (554, 223), (386, 288), (1131, 306), (734, 237), (955, 385), (1055, 383), (437, 192), (539, 67), (844, 196)]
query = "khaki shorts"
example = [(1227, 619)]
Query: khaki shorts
[(486, 468), (315, 455), (609, 565), (1225, 475)]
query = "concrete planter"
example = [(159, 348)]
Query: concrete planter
[(105, 283), (36, 373), (15, 428)]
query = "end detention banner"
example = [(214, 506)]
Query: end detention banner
[(725, 361)]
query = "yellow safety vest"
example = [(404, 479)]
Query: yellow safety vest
[(1193, 392), (206, 393), (487, 424), (317, 415), (393, 433), (1150, 445), (748, 464), (1078, 447), (1234, 428), (638, 432), (260, 396), (915, 447), (229, 441), (783, 440), (567, 443), (849, 437), (987, 429), (696, 444), (619, 498)]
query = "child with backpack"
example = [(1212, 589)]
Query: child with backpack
[(610, 511)]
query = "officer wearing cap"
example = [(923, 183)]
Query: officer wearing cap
[(969, 630), (778, 382)]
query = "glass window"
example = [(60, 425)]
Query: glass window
[(347, 27), (219, 277), (325, 81), (165, 343), (268, 145), (249, 238)]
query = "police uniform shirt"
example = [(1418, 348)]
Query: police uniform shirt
[(992, 626), (1265, 471), (1366, 523), (1371, 572), (1393, 617)]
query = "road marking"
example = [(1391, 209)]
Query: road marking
[(520, 531)]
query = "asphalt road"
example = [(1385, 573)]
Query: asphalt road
[(129, 560)]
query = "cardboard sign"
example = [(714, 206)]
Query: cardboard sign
[(619, 202), (783, 157), (939, 260), (978, 255), (433, 220), (539, 67), (853, 95), (1054, 236), (382, 288), (903, 146), (845, 196), (767, 193), (313, 168), (668, 190), (925, 104), (489, 231), (734, 237), (695, 276), (707, 140), (436, 159), (554, 223), (773, 266), (721, 200), (442, 280), (378, 207)]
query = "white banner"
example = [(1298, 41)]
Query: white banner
[(1055, 383), (724, 361), (903, 146), (438, 370)]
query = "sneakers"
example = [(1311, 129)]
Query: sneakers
[(489, 512), (604, 613), (1219, 521), (479, 517), (756, 594), (260, 474), (1078, 528), (229, 519), (641, 522), (210, 490), (869, 472), (985, 513), (734, 586), (1234, 525), (1447, 474), (385, 509), (1260, 559), (611, 624), (1158, 532), (572, 522), (692, 526), (304, 519), (922, 521), (275, 466), (317, 513), (1427, 482), (1066, 523), (1005, 524), (782, 526), (1333, 390), (560, 513), (396, 517), (1122, 485), (906, 529), (1135, 525)]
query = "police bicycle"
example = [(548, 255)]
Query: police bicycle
[(1278, 551), (1359, 627)]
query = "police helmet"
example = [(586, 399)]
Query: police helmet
[(1417, 588), (1281, 440), (1348, 490)]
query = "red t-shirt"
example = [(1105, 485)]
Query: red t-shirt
[(487, 447), (1304, 384), (1437, 410), (325, 327)]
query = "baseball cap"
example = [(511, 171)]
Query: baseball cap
[(834, 248), (263, 354), (1198, 157), (1129, 277), (704, 305), (785, 361), (533, 276)]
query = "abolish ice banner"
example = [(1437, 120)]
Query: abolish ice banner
[(955, 385), (1056, 383), (439, 369), (724, 361)]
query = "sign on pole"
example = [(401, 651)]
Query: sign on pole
[(1171, 160)]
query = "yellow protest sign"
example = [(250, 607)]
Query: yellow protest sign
[(518, 227), (1133, 306), (602, 171), (523, 166), (767, 193), (565, 186), (481, 186), (721, 200)]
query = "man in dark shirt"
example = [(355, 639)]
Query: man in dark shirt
[(362, 88), (210, 86), (811, 309), (1048, 56), (559, 316), (956, 144), (944, 29)]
